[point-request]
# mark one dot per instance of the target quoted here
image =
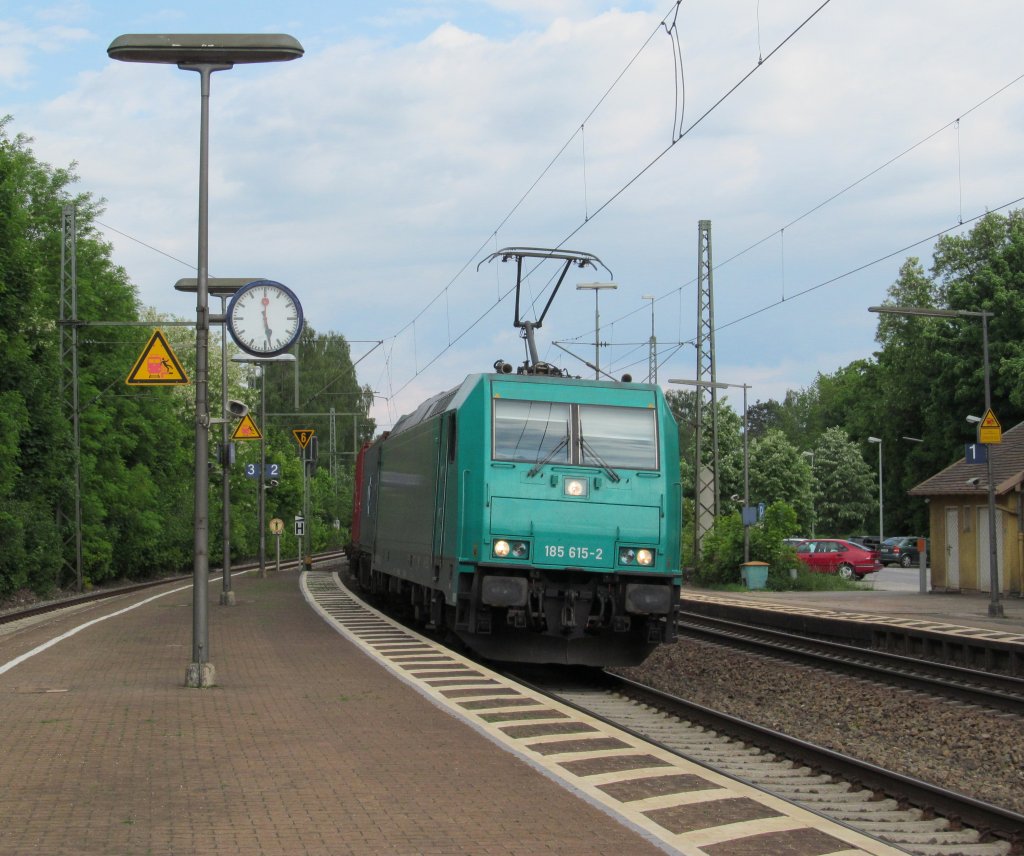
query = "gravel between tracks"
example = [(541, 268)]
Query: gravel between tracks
[(961, 747)]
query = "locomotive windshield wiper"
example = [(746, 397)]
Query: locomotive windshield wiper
[(536, 468), (614, 476)]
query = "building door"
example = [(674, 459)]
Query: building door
[(953, 548), (984, 559)]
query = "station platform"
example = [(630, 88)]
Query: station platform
[(306, 745), (952, 626), (953, 610)]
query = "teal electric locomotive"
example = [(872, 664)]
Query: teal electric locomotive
[(535, 516)]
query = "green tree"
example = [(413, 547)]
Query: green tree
[(780, 473), (730, 443), (845, 489), (931, 370), (134, 443)]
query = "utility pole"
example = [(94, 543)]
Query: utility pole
[(652, 356), (69, 372), (706, 501)]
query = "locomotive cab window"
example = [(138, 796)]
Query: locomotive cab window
[(588, 435), (529, 431), (624, 437)]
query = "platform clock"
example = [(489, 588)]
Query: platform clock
[(264, 318)]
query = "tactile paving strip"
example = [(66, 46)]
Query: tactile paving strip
[(684, 807)]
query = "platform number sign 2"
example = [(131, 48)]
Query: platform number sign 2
[(252, 471)]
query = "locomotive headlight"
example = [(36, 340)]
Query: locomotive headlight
[(575, 487), (515, 549), (636, 556)]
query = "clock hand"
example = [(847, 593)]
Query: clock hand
[(266, 323)]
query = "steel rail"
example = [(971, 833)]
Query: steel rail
[(991, 689), (989, 820)]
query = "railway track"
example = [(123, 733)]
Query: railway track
[(14, 615), (989, 689), (918, 817), (905, 812)]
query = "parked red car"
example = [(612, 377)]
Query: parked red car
[(835, 556)]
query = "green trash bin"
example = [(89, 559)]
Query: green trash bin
[(754, 574)]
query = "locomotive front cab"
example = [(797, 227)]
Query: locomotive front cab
[(579, 556)]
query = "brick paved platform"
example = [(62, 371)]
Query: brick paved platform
[(305, 746)]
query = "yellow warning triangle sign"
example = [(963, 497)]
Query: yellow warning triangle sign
[(157, 365), (303, 436), (990, 420), (247, 430)]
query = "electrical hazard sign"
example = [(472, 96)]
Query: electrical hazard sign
[(157, 365), (247, 430), (989, 429), (303, 436)]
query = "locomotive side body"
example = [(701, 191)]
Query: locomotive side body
[(537, 518)]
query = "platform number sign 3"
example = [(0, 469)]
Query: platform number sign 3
[(252, 471)]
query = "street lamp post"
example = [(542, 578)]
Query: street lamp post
[(224, 288), (204, 54), (881, 502), (261, 484), (652, 360), (995, 607), (597, 288), (814, 510)]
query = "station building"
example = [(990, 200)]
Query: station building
[(957, 499)]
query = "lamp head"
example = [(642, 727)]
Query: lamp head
[(238, 409), (226, 48)]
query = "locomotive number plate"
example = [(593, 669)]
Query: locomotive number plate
[(558, 551)]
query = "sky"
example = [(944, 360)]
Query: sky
[(826, 143)]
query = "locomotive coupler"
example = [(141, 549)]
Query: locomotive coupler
[(569, 610)]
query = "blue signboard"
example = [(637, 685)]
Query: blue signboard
[(976, 453), (252, 471)]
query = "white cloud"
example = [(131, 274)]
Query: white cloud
[(368, 174)]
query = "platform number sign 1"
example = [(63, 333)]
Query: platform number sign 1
[(975, 453)]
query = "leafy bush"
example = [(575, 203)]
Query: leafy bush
[(722, 552)]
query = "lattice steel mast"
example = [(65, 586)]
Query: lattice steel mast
[(706, 503), (69, 378)]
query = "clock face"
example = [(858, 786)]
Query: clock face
[(264, 318)]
